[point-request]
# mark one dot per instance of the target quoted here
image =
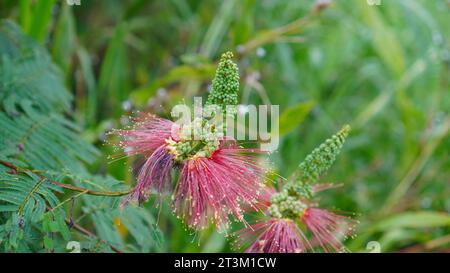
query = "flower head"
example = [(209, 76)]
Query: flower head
[(281, 232), (328, 228), (264, 199), (216, 186), (148, 133), (149, 137), (217, 176), (294, 204), (276, 235)]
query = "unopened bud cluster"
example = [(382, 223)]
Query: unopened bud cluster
[(196, 139), (286, 206), (225, 85), (289, 203), (300, 189), (321, 159)]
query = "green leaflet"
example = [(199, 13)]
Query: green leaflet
[(292, 117), (414, 219)]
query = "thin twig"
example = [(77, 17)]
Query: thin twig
[(72, 198)]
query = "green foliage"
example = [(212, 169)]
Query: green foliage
[(293, 116), (36, 23), (28, 75), (417, 219), (53, 222), (40, 145), (112, 80), (27, 195)]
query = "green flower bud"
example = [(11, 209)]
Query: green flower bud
[(321, 158), (225, 85)]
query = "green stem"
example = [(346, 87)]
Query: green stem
[(68, 199)]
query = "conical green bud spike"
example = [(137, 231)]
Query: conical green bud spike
[(225, 85), (321, 158)]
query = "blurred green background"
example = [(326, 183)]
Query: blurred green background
[(383, 69)]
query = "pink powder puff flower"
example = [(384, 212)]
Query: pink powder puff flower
[(148, 133), (263, 201), (216, 178), (148, 137), (328, 228), (276, 235), (282, 234), (216, 186)]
